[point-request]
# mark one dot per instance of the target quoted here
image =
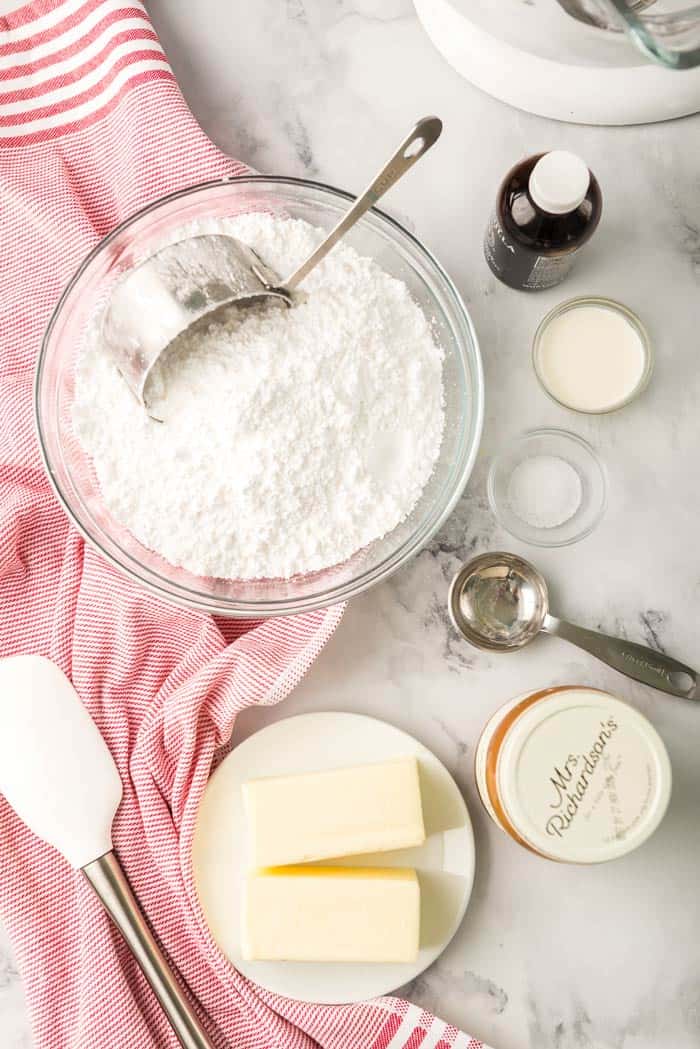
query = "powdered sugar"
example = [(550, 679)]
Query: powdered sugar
[(291, 437)]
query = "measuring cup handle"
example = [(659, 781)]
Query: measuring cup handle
[(424, 135), (636, 661)]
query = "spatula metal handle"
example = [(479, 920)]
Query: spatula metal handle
[(109, 882), (424, 135)]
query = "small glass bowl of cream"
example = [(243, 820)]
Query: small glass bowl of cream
[(548, 487), (592, 355)]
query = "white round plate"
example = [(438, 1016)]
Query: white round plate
[(535, 56), (315, 742)]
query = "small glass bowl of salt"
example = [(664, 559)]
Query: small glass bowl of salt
[(548, 488)]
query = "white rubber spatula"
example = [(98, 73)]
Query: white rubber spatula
[(59, 777)]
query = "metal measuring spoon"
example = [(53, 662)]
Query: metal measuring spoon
[(499, 602), (187, 282)]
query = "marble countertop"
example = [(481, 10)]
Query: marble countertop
[(549, 956)]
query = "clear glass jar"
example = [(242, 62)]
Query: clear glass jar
[(573, 774)]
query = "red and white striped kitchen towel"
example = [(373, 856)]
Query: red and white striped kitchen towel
[(92, 126)]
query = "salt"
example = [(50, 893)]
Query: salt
[(291, 437), (544, 491)]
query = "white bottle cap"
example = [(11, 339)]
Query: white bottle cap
[(559, 182)]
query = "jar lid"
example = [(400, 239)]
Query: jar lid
[(582, 776), (559, 182)]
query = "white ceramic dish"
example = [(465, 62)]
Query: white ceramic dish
[(536, 57), (314, 742)]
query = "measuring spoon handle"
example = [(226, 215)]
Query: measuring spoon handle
[(636, 661), (424, 135)]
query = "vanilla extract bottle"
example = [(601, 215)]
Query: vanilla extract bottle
[(547, 207)]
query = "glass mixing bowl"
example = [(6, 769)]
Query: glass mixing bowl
[(668, 31), (396, 251)]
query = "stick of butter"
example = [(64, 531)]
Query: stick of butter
[(331, 914), (315, 816)]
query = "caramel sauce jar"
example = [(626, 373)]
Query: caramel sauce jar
[(573, 774)]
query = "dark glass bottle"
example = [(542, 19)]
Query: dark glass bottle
[(547, 207)]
